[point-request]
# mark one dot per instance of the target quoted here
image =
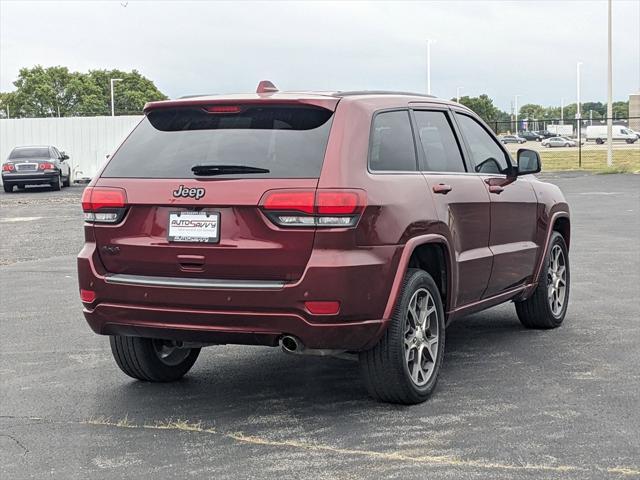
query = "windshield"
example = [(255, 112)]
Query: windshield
[(31, 152), (287, 141)]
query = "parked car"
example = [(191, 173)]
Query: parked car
[(512, 139), (598, 133), (36, 165), (527, 135), (546, 134), (325, 223), (559, 142)]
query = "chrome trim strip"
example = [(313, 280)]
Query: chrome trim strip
[(175, 282)]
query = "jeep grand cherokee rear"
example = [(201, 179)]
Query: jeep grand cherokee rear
[(326, 223)]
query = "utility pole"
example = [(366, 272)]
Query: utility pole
[(458, 94), (609, 95), (113, 111), (562, 111), (516, 111), (429, 42), (578, 114)]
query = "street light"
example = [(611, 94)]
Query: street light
[(458, 94), (113, 112), (429, 42), (562, 111), (516, 111), (578, 109), (609, 95)]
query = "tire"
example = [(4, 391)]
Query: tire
[(385, 368), (67, 182), (8, 187), (599, 141), (537, 311), (142, 358), (567, 145), (56, 185), (630, 141)]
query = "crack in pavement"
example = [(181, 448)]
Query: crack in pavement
[(18, 442)]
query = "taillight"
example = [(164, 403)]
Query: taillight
[(104, 204), (223, 109), (46, 166), (309, 208), (8, 167)]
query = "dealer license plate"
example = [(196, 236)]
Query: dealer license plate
[(200, 227)]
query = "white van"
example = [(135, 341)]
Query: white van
[(618, 132)]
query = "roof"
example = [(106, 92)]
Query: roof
[(267, 92)]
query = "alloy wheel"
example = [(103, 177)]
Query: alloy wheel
[(169, 353), (421, 337), (557, 280)]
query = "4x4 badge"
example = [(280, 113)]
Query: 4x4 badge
[(185, 192)]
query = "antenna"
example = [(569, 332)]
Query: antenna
[(265, 86)]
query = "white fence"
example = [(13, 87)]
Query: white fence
[(87, 140)]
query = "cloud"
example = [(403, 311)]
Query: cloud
[(499, 48)]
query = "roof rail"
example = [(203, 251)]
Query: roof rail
[(265, 86), (380, 92)]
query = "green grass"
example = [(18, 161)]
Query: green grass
[(624, 160)]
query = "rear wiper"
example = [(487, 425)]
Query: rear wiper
[(226, 169)]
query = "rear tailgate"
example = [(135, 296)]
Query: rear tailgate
[(154, 168)]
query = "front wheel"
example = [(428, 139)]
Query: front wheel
[(403, 367), (152, 360), (547, 307)]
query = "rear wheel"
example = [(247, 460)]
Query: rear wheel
[(403, 367), (152, 360), (56, 185), (599, 141), (547, 307), (8, 187)]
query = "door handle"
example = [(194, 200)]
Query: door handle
[(442, 188), (496, 189)]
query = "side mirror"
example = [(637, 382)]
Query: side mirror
[(528, 162), (64, 156)]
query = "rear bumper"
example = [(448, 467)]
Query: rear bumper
[(250, 314), (29, 178)]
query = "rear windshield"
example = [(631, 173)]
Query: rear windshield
[(289, 141), (35, 152)]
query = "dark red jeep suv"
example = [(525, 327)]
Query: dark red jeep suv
[(340, 223)]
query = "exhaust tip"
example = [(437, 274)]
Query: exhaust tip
[(290, 344)]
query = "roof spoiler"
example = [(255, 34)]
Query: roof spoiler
[(265, 86)]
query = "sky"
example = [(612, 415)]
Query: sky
[(501, 48)]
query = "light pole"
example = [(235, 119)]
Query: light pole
[(609, 95), (458, 94), (515, 103), (113, 112), (429, 42), (562, 111), (578, 109)]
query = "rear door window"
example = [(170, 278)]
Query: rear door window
[(392, 147), (288, 140), (441, 149)]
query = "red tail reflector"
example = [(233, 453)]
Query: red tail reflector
[(299, 201), (223, 109), (87, 296), (323, 308)]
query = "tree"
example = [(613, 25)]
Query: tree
[(483, 106), (55, 91)]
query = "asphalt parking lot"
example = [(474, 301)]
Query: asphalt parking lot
[(511, 403)]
